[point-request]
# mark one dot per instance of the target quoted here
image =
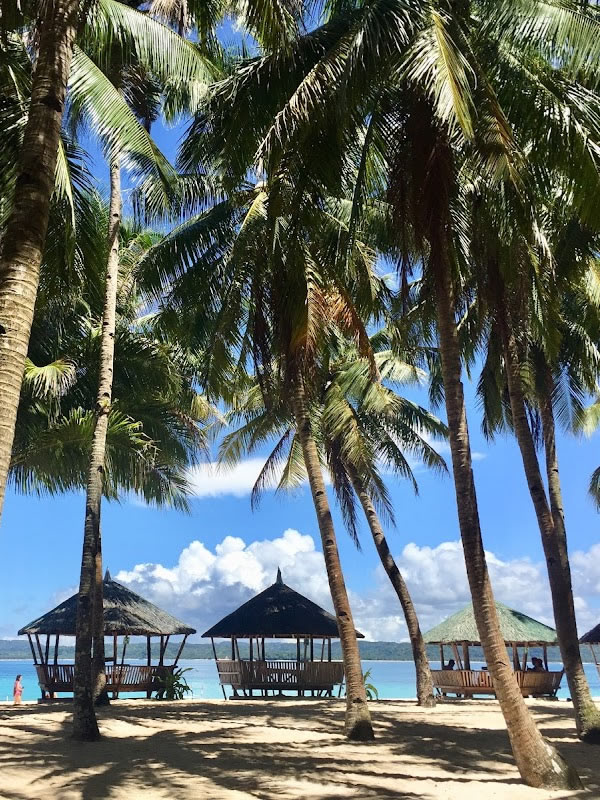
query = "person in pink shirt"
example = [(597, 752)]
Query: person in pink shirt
[(18, 691)]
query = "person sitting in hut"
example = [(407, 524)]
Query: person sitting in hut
[(449, 665), (538, 665)]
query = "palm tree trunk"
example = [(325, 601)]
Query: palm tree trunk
[(85, 726), (551, 524), (25, 234), (425, 696), (358, 717), (538, 762), (99, 657)]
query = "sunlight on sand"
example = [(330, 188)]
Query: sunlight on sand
[(212, 750)]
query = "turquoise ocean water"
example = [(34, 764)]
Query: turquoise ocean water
[(393, 679)]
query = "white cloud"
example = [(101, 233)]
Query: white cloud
[(214, 480), (205, 584)]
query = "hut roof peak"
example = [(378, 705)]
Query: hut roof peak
[(278, 612), (125, 614)]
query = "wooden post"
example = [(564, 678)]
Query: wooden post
[(180, 651), (441, 656), (214, 649), (465, 648), (47, 648), (323, 649), (116, 694), (149, 658), (546, 657), (251, 650), (298, 664), (525, 654), (328, 649), (232, 649), (457, 655), (114, 669), (56, 649), (35, 661), (39, 647), (312, 649), (515, 650), (264, 658)]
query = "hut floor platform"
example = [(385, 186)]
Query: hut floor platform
[(286, 750)]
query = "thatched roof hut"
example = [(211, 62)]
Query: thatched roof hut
[(591, 637), (125, 614), (517, 628), (277, 613)]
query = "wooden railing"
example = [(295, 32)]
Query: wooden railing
[(127, 678), (280, 674), (469, 682)]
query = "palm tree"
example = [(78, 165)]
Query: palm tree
[(361, 424), (26, 226), (428, 95), (273, 310), (552, 336)]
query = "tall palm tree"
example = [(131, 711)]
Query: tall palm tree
[(362, 426), (425, 91), (535, 306), (258, 283)]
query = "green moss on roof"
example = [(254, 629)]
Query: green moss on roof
[(515, 626)]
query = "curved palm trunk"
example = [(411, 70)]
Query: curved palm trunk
[(425, 696), (539, 763), (358, 717), (552, 527), (25, 235), (85, 726)]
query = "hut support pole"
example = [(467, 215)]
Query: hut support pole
[(56, 649), (546, 657), (525, 654), (515, 657), (465, 649), (149, 659), (322, 649), (114, 669), (39, 647), (328, 649), (441, 656), (264, 658), (457, 655), (595, 656), (47, 648), (251, 654), (116, 693), (35, 661), (214, 649), (298, 664), (180, 651), (232, 649)]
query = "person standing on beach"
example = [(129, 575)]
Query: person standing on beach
[(17, 690)]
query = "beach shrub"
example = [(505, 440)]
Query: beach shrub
[(173, 685)]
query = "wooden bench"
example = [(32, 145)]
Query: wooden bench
[(280, 675), (54, 678), (471, 682)]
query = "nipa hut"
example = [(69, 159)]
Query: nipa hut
[(518, 630), (592, 638), (125, 614), (279, 612)]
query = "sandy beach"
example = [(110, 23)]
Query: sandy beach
[(211, 750)]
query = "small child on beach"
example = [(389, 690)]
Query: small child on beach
[(17, 691)]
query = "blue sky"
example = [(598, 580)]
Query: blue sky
[(202, 565)]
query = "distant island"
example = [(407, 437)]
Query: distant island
[(18, 649)]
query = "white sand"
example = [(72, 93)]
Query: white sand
[(289, 750)]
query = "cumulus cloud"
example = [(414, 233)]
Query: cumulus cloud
[(214, 480), (206, 584)]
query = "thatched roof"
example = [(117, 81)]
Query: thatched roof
[(277, 613), (516, 627), (591, 637), (125, 614)]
